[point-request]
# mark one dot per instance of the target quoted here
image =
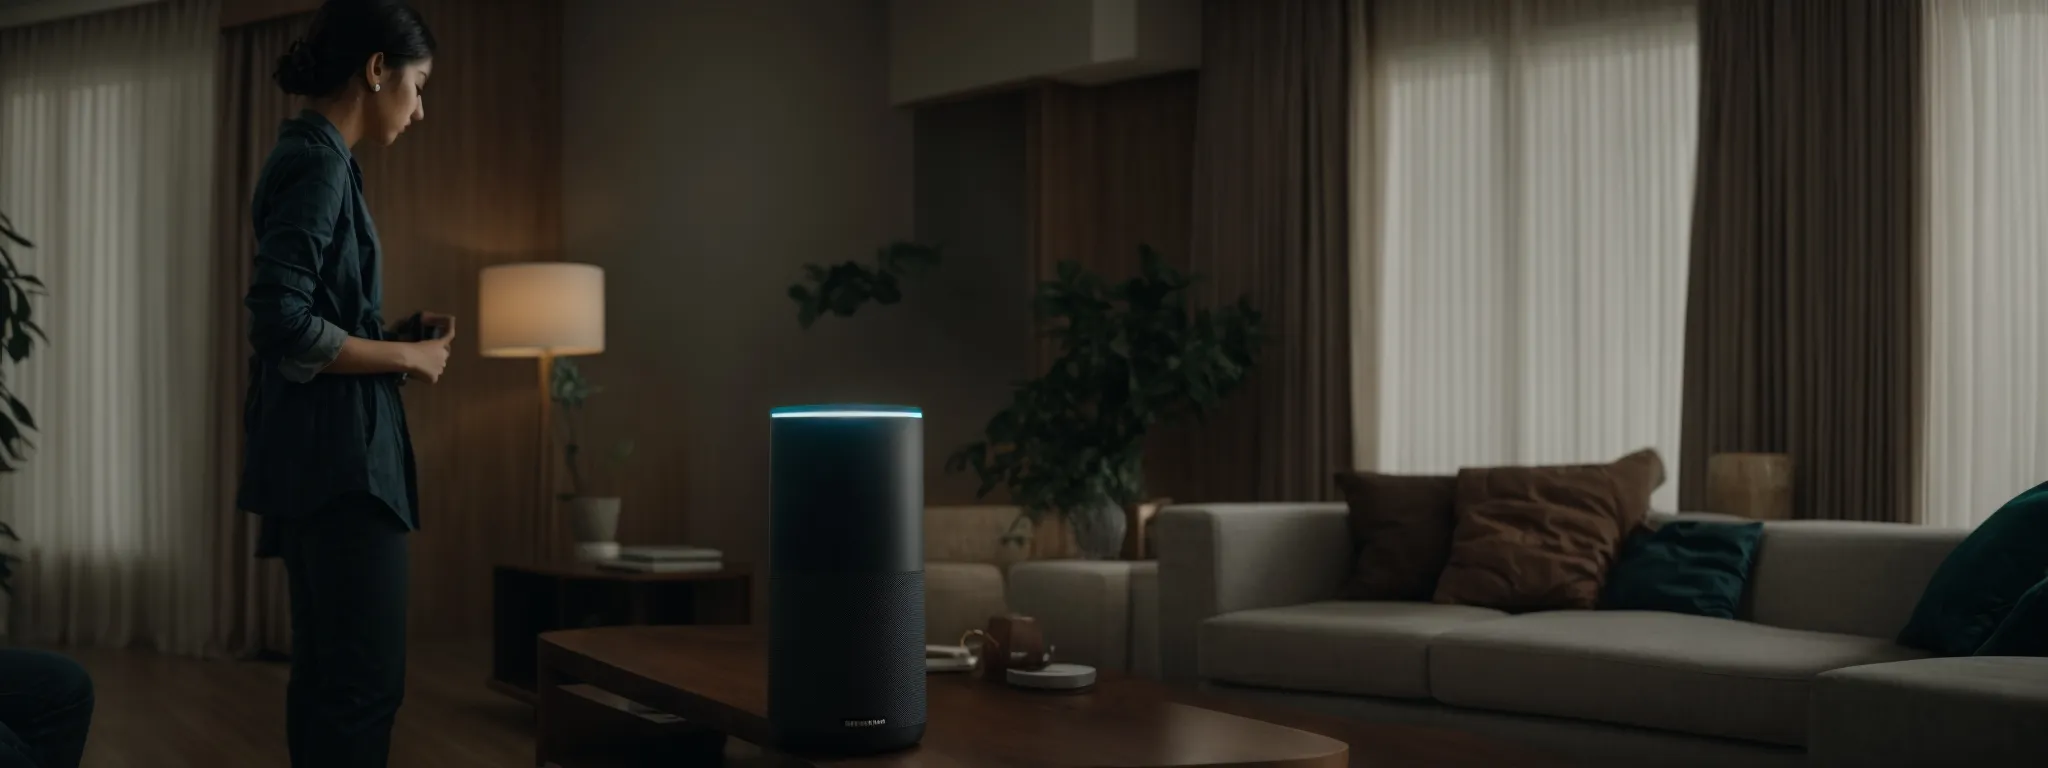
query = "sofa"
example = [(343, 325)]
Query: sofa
[(1102, 613), (968, 553), (1807, 674), (966, 561)]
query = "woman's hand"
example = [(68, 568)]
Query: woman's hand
[(425, 359), (429, 357)]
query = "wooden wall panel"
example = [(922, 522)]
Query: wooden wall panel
[(477, 183), (1111, 168)]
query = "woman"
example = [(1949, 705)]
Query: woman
[(328, 462)]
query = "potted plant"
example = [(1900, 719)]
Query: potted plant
[(1132, 355), (18, 334), (593, 520)]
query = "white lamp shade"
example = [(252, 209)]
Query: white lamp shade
[(541, 308)]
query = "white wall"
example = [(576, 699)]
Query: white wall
[(711, 147), (943, 48)]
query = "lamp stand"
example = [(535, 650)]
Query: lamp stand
[(544, 476)]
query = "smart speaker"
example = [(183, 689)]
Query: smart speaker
[(846, 578)]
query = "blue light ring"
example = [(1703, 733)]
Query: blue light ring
[(846, 411)]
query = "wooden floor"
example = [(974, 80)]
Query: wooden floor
[(156, 711)]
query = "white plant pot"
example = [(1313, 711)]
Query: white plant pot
[(1099, 530), (594, 524)]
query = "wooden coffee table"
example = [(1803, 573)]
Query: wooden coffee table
[(618, 695), (529, 599)]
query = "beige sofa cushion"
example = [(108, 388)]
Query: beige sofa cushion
[(959, 597), (1976, 711), (1366, 648), (973, 534), (1145, 620), (1083, 608), (1849, 577), (1694, 674)]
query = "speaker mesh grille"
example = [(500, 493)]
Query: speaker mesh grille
[(845, 647)]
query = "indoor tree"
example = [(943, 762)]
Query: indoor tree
[(1132, 355), (18, 335)]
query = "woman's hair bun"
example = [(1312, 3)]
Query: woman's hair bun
[(342, 37), (298, 71)]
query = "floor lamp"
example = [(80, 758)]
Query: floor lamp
[(541, 310)]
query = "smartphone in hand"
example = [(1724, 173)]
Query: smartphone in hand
[(416, 328)]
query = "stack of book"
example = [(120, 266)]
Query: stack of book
[(665, 560)]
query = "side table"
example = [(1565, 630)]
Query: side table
[(1103, 613), (528, 600)]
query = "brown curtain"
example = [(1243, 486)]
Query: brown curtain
[(1271, 212), (1801, 312), (1110, 168), (253, 615)]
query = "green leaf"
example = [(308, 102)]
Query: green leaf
[(10, 435), (886, 291), (908, 258), (21, 413), (844, 288), (844, 303)]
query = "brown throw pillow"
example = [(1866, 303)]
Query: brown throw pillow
[(1541, 538), (1401, 530)]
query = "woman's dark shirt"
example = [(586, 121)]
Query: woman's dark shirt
[(310, 437)]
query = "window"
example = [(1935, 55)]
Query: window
[(1533, 176), (1984, 423), (106, 162)]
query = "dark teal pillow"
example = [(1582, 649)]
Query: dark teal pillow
[(1977, 585), (1685, 566), (2025, 630)]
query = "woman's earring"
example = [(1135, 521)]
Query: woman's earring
[(374, 87)]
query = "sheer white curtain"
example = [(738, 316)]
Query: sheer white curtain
[(106, 161), (1531, 170), (1985, 419)]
